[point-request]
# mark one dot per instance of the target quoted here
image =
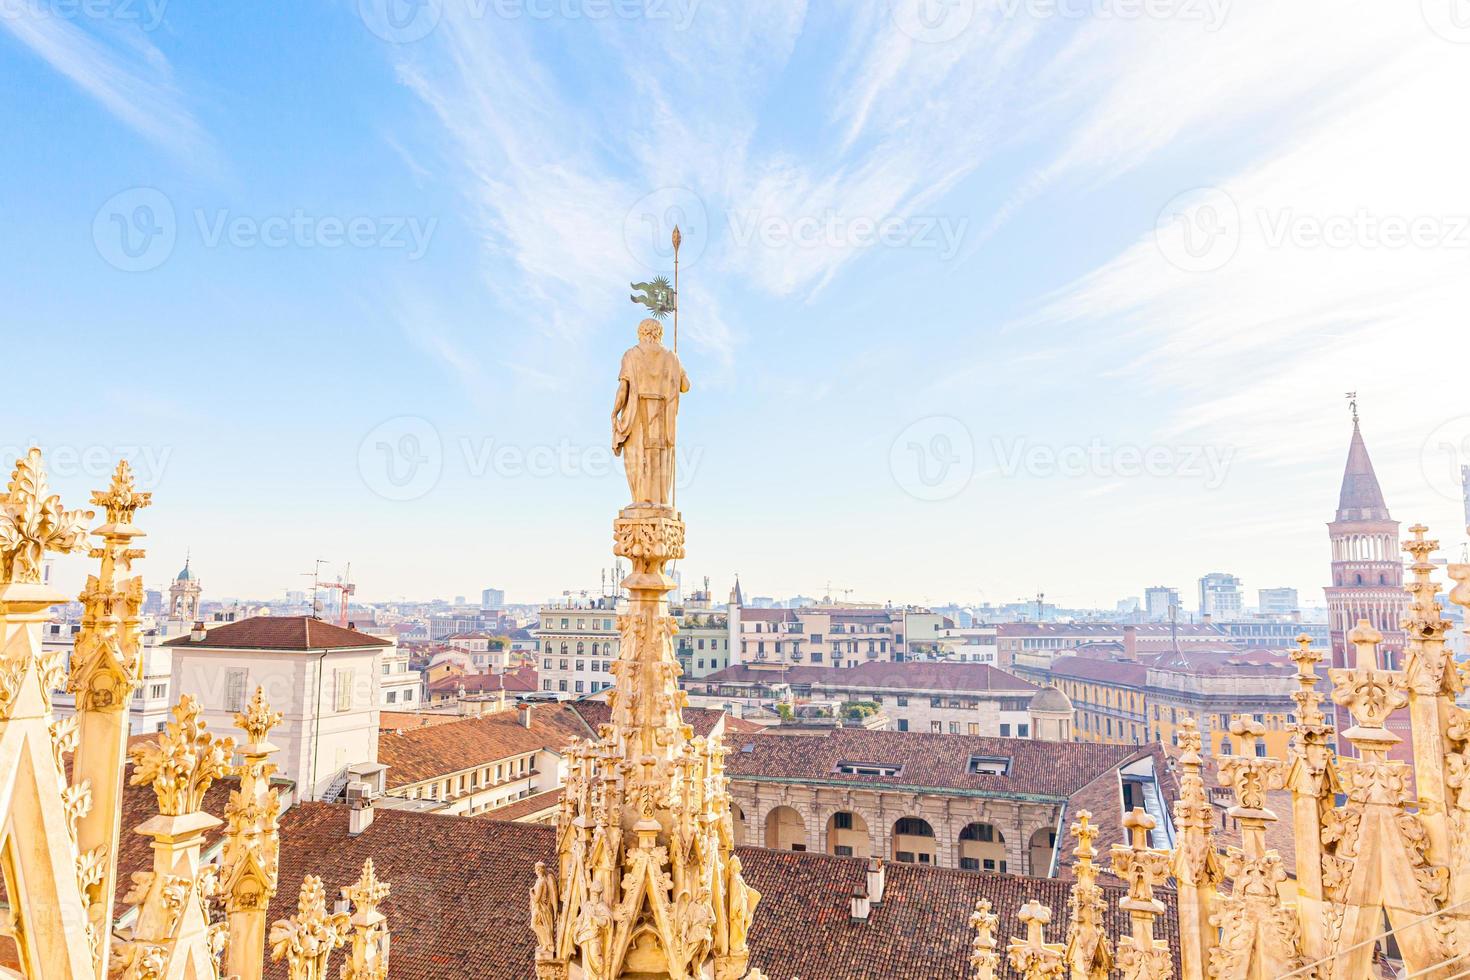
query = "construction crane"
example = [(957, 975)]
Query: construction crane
[(346, 588)]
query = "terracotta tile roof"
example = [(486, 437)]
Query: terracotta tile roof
[(1054, 770), (911, 675), (458, 906), (519, 679), (437, 750), (281, 633), (393, 720), (530, 806), (1129, 673), (1256, 662), (702, 720), (1143, 631)]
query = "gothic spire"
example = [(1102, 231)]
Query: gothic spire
[(1361, 498)]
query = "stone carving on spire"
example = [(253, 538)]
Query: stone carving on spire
[(1032, 957), (984, 960), (1140, 955), (647, 882), (1088, 954)]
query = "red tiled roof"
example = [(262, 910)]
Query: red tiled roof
[(281, 633), (537, 803), (459, 907), (438, 750), (930, 761), (393, 720), (911, 675), (1130, 673), (702, 720), (519, 679)]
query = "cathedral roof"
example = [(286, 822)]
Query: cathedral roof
[(1361, 498), (457, 908)]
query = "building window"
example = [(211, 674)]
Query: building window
[(158, 691), (974, 728), (903, 724), (969, 864), (1023, 730), (842, 820), (937, 727), (954, 728), (392, 697), (842, 850), (1005, 729), (235, 690)]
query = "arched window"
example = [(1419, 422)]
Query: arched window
[(581, 648), (913, 827), (982, 832), (563, 649)]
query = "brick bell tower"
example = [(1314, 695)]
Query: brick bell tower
[(1367, 577)]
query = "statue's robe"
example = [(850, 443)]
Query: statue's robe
[(647, 425)]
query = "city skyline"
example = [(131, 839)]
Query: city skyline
[(981, 277)]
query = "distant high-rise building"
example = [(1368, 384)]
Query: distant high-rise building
[(1277, 602), (1158, 600), (1220, 596), (1367, 576), (492, 599), (1129, 605), (1465, 485)]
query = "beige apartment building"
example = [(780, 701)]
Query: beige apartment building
[(837, 635), (976, 803)]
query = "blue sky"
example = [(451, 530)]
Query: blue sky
[(979, 299)]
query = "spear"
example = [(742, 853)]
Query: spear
[(677, 239)]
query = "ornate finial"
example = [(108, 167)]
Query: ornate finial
[(1140, 955), (120, 501), (1087, 952), (1369, 693), (1308, 699), (1352, 399), (184, 761), (983, 958), (367, 892), (33, 522), (258, 718), (306, 939), (678, 239), (1033, 957)]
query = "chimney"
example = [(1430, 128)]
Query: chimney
[(525, 716), (197, 634), (860, 905), (359, 808), (875, 880), (1130, 642)]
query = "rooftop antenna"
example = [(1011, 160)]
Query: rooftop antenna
[(316, 609)]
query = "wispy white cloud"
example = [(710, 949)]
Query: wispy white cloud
[(1321, 294), (119, 67)]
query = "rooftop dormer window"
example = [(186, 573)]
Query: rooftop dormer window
[(990, 765), (868, 769)]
